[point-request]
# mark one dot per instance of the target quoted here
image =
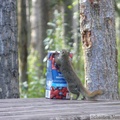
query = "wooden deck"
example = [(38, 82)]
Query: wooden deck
[(46, 109)]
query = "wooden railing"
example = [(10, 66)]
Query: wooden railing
[(47, 109)]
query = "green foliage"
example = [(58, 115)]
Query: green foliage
[(35, 87), (117, 8), (118, 59), (55, 2), (54, 40), (36, 78)]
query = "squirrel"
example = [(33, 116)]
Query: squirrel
[(74, 84)]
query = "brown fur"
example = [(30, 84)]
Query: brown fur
[(74, 84)]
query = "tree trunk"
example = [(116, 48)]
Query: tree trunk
[(98, 37), (67, 20), (9, 86), (76, 26), (43, 26), (22, 24), (28, 14), (39, 21)]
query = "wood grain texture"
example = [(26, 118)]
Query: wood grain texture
[(47, 109)]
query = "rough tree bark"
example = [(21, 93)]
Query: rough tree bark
[(9, 87), (98, 36)]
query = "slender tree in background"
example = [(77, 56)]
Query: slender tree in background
[(77, 46), (67, 20), (39, 19), (28, 13), (34, 19), (22, 28), (9, 87), (43, 26), (98, 37), (76, 26)]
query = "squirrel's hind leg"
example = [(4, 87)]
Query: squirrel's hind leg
[(78, 94)]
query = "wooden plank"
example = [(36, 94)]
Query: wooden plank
[(30, 109)]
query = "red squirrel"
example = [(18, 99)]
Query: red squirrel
[(74, 84)]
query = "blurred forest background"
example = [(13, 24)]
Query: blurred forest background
[(45, 25)]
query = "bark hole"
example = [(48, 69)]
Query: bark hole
[(86, 38), (94, 1), (95, 5), (108, 22)]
